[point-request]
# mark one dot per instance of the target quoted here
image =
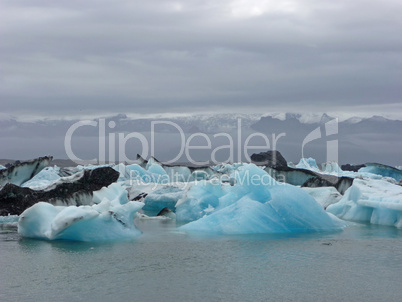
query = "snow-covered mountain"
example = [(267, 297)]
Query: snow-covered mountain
[(361, 139), (207, 123)]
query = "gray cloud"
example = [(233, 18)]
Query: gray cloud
[(165, 56)]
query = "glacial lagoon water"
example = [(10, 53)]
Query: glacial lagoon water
[(362, 263)]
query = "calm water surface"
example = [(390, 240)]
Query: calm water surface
[(362, 263)]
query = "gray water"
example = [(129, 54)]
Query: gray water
[(362, 263)]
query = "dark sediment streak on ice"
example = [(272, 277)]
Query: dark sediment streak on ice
[(75, 190)]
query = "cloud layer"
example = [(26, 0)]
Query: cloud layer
[(80, 57)]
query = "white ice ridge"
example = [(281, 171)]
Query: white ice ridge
[(371, 201), (325, 196), (111, 219), (43, 179), (308, 164), (256, 203)]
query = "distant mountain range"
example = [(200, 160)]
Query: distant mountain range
[(360, 139)]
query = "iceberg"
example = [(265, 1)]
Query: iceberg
[(256, 203), (227, 168), (158, 196), (325, 196), (382, 170), (164, 197), (178, 173), (111, 219), (374, 201), (20, 172), (43, 179), (136, 174), (112, 192), (76, 189), (332, 168), (201, 199), (9, 219), (308, 164)]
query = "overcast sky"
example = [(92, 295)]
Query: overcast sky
[(71, 58)]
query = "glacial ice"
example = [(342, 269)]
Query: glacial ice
[(227, 168), (325, 196), (113, 192), (135, 174), (9, 219), (178, 173), (202, 198), (155, 172), (158, 196), (224, 199), (111, 219), (382, 170), (19, 173), (374, 201), (332, 168), (256, 203), (372, 170), (164, 197), (43, 179), (308, 164)]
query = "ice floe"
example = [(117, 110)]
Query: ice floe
[(111, 219), (372, 201), (255, 204)]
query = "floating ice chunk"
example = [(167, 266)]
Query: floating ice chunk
[(124, 173), (152, 161), (247, 216), (156, 169), (20, 172), (163, 197), (91, 167), (371, 201), (178, 173), (113, 192), (198, 200), (255, 204), (108, 220), (331, 168), (383, 170), (9, 219), (158, 174), (227, 168), (2, 167), (137, 175), (325, 196), (308, 164), (136, 171), (43, 179)]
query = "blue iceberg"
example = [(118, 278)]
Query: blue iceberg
[(256, 203), (111, 219), (308, 164), (382, 170), (372, 201), (43, 179)]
